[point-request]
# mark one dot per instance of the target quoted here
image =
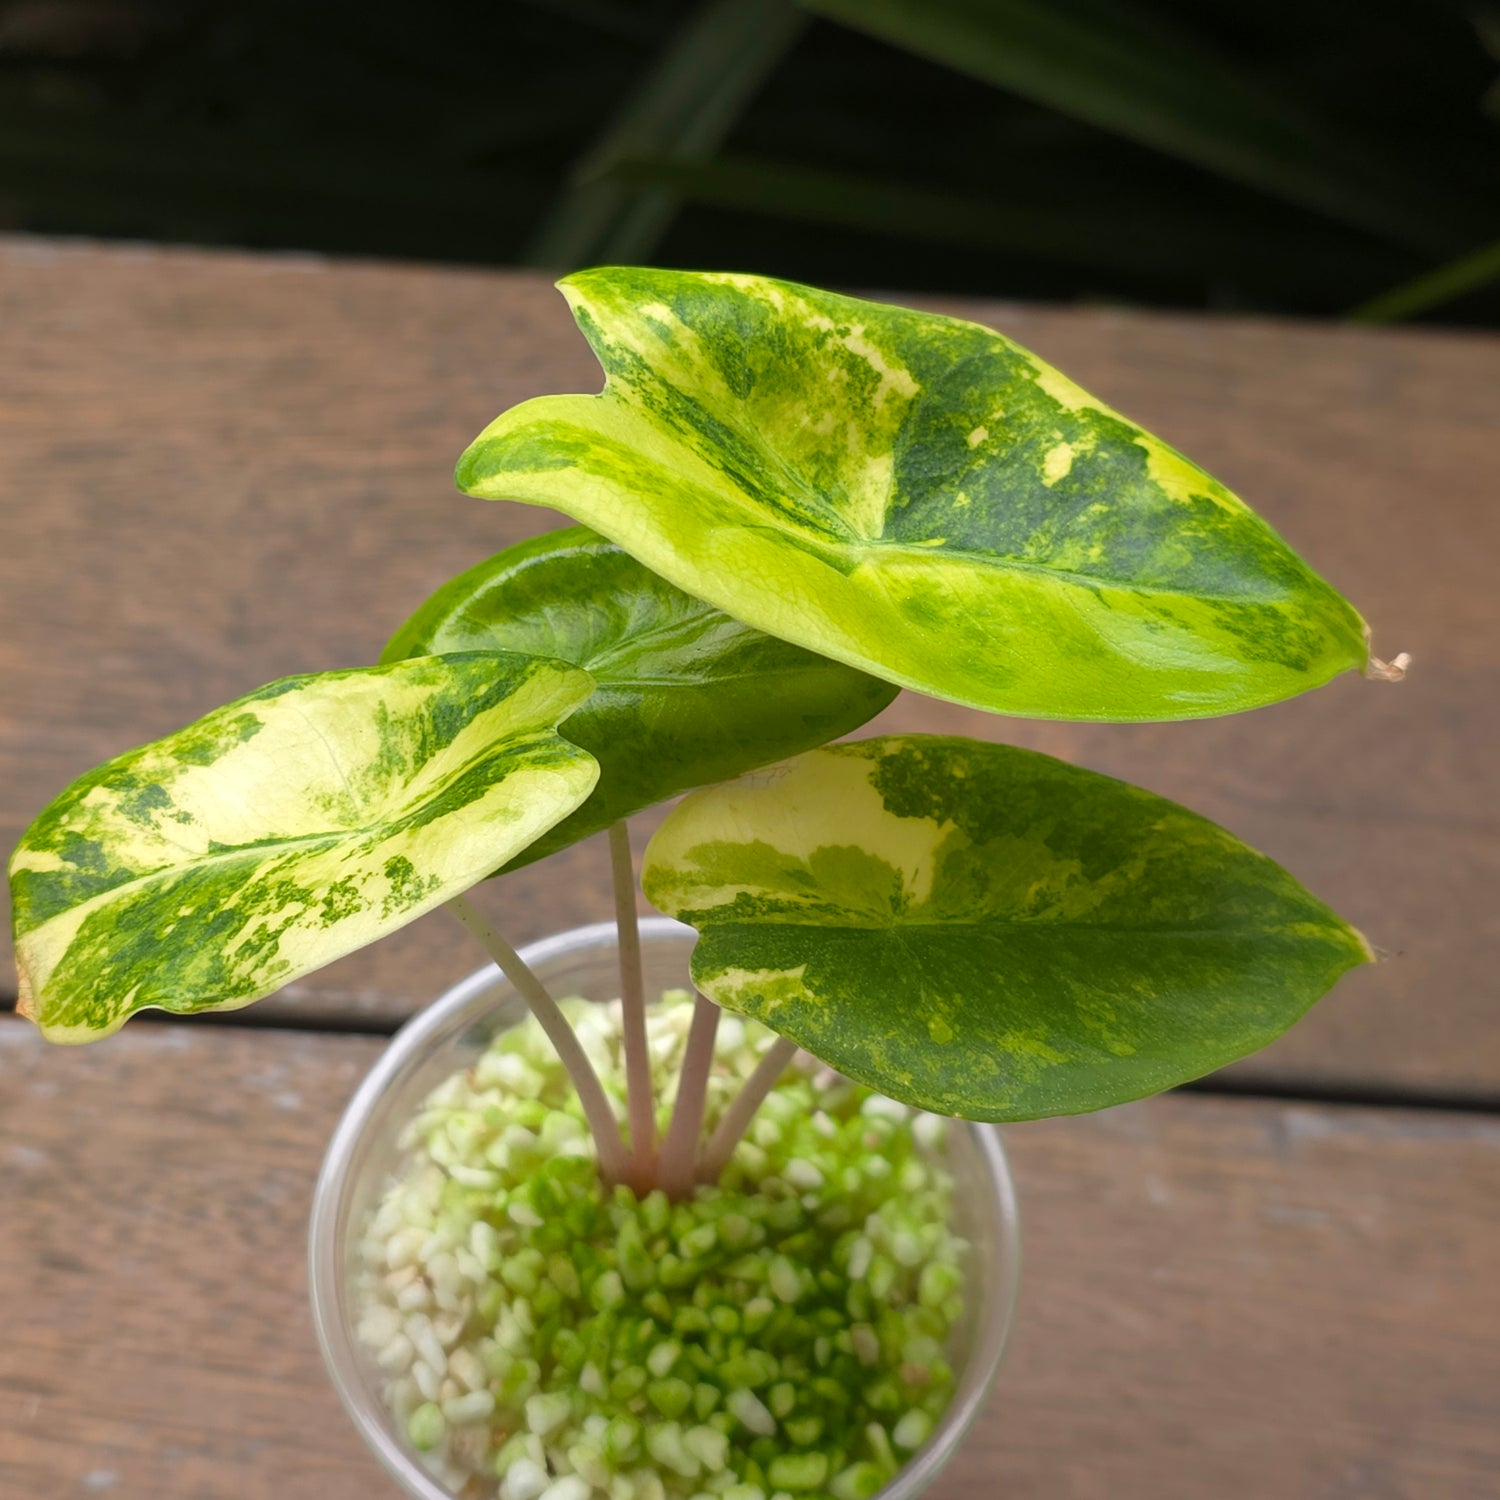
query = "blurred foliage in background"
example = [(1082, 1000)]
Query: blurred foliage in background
[(1324, 157)]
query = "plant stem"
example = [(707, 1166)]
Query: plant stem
[(681, 1144), (742, 1109), (642, 1105), (613, 1162)]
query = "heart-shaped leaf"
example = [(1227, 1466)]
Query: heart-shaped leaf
[(683, 694), (986, 931), (919, 497), (205, 870)]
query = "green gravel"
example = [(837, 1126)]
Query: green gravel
[(781, 1336)]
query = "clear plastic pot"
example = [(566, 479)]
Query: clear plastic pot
[(450, 1034)]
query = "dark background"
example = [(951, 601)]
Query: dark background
[(1290, 156)]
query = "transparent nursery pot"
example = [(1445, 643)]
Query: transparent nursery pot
[(450, 1034)]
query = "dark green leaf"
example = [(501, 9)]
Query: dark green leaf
[(684, 695)]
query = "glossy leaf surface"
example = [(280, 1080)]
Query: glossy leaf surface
[(988, 932), (276, 834), (916, 496), (683, 694)]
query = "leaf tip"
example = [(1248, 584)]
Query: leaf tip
[(465, 476), (1393, 670)]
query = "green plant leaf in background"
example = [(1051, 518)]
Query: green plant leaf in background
[(919, 497), (684, 106), (1455, 279), (988, 932), (278, 833), (1117, 66), (683, 694), (1089, 228)]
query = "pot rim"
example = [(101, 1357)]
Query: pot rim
[(341, 1356)]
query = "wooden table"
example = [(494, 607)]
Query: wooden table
[(218, 469)]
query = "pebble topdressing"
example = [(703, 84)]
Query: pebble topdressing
[(781, 1336)]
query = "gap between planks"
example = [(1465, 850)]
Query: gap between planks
[(1219, 1085)]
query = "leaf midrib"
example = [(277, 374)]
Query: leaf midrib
[(630, 641), (775, 520), (273, 847), (1069, 575), (197, 862)]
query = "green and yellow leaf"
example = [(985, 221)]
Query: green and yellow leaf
[(276, 834), (683, 695), (916, 496), (988, 932)]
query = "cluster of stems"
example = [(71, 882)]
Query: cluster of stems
[(681, 1159)]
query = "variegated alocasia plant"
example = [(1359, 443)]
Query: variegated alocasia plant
[(799, 503)]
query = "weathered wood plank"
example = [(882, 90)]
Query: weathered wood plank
[(220, 469), (1222, 1297)]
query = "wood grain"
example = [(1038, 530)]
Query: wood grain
[(1227, 1298), (216, 470)]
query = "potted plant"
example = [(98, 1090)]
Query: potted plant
[(796, 504)]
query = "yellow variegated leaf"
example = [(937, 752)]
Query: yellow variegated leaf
[(916, 496), (988, 932), (276, 834)]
